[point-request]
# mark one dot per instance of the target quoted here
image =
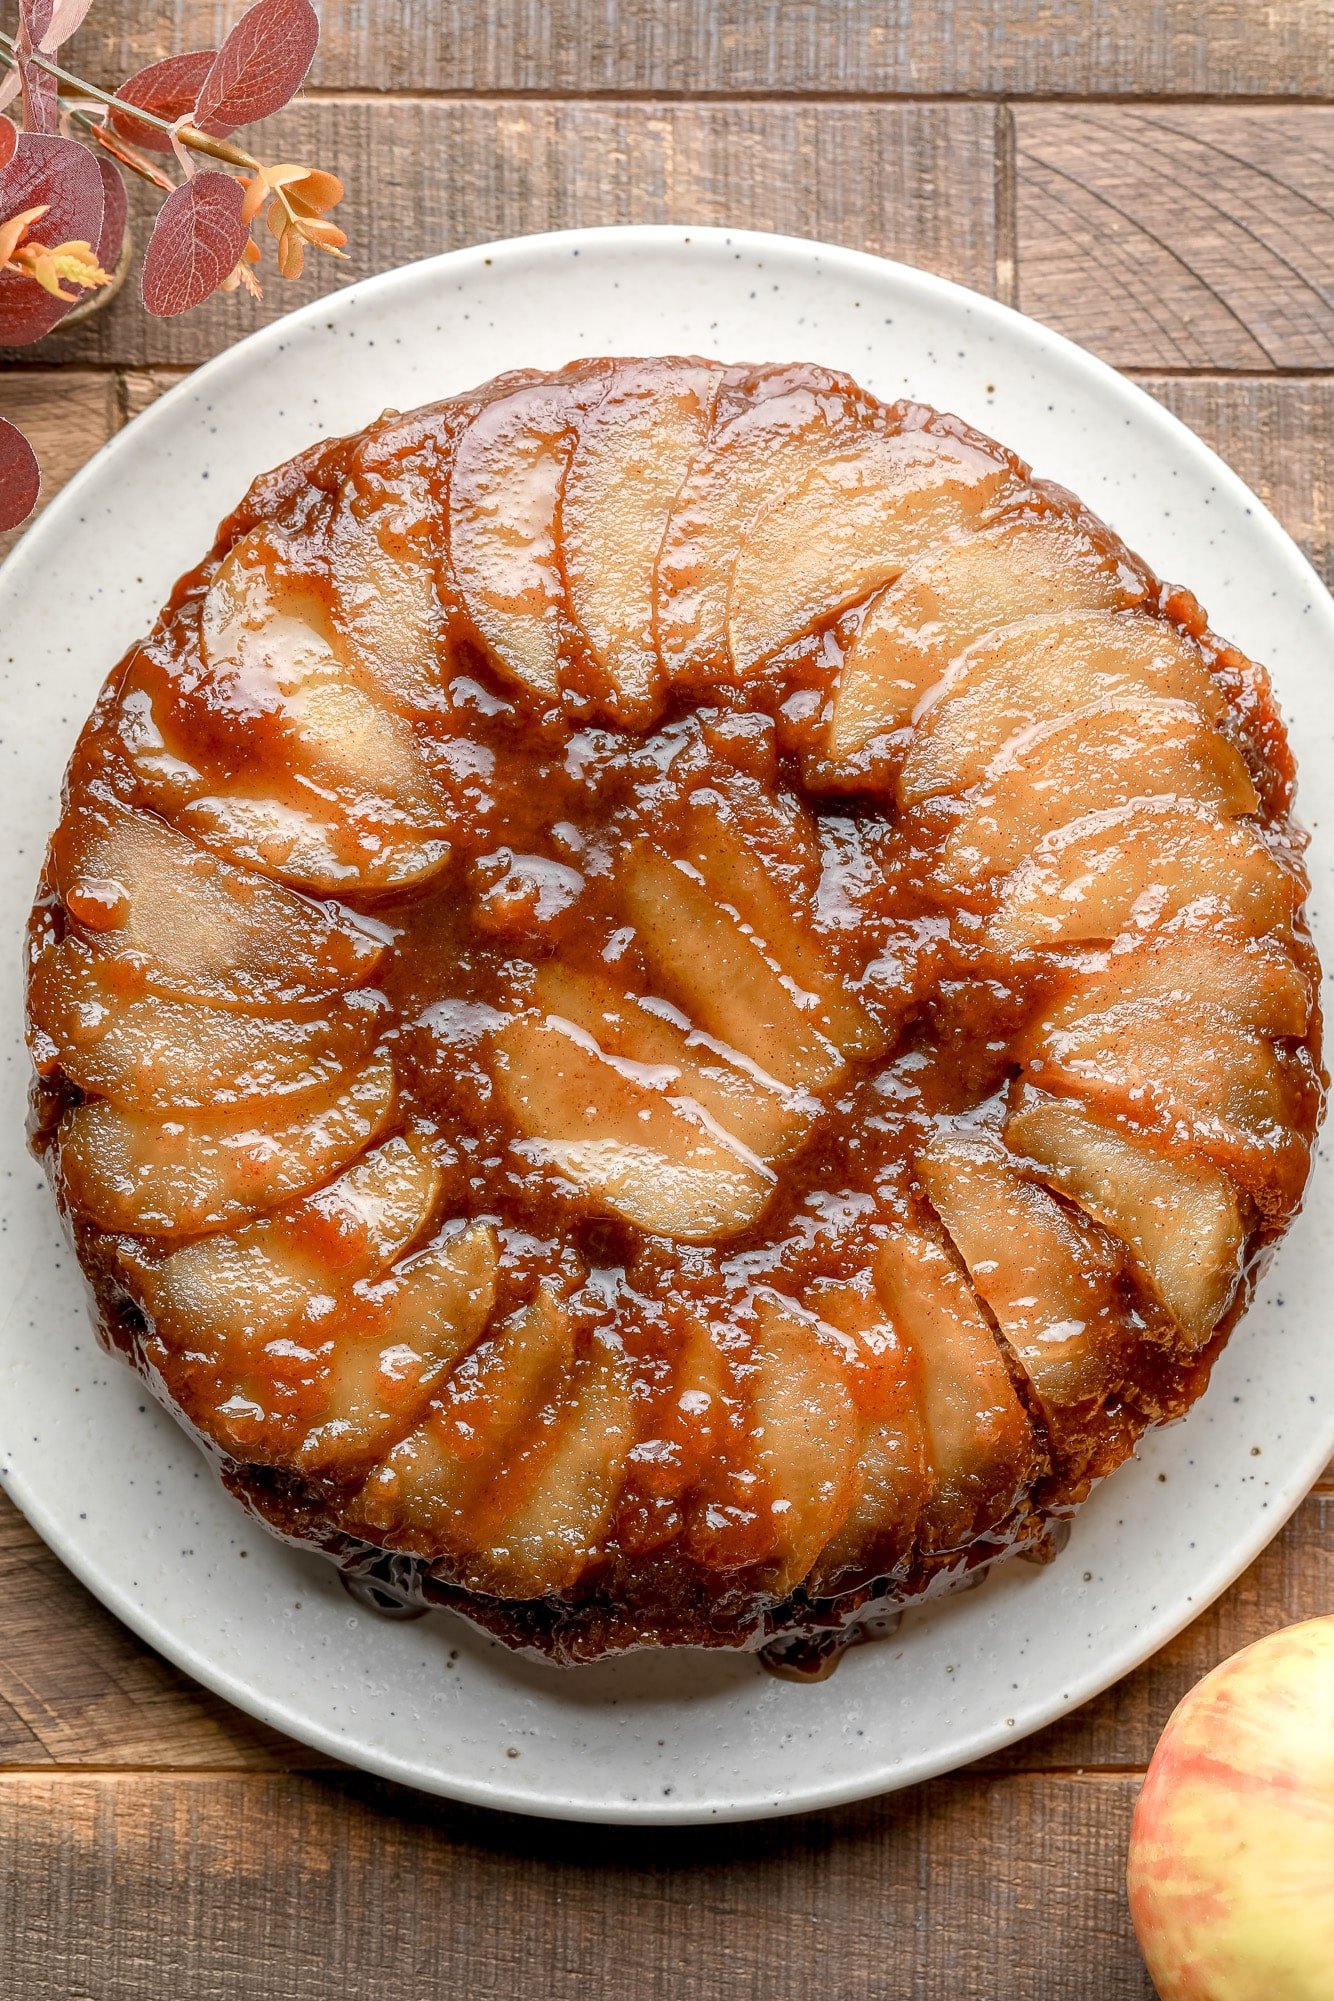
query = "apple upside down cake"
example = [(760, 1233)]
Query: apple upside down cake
[(671, 1003)]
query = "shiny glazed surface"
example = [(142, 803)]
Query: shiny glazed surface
[(666, 987)]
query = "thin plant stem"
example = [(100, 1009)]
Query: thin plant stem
[(189, 135), (127, 155), (87, 89)]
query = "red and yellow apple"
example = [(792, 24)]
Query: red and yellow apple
[(1231, 1875)]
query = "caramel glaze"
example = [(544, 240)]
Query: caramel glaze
[(722, 1515)]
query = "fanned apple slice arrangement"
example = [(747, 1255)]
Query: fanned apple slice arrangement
[(671, 999)]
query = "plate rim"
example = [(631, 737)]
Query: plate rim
[(1148, 1638)]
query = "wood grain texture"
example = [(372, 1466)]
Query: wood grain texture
[(1180, 237), (66, 417), (909, 47), (906, 180), (77, 1688), (141, 386), (1279, 435), (223, 1889)]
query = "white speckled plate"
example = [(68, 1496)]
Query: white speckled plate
[(124, 1497)]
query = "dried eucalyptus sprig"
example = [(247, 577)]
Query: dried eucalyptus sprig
[(62, 200)]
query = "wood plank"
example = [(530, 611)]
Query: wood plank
[(76, 1688), (141, 386), (1180, 237), (66, 418), (911, 181), (131, 1888), (1278, 433), (913, 47)]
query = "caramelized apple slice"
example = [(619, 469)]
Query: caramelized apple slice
[(1101, 758), (119, 1041), (136, 1172), (804, 1425), (730, 1523), (355, 811), (737, 875), (390, 1353), (1184, 1068), (534, 1530), (1051, 1281), (425, 1490), (981, 1452), (766, 1119), (1138, 868), (1179, 1217), (331, 1397), (325, 854), (349, 740), (689, 1427), (635, 448), (194, 926), (627, 1145), (276, 822), (1021, 566), (848, 525), (388, 611), (1251, 979), (272, 652), (264, 623), (239, 1288), (504, 524), (1037, 671), (329, 1401), (384, 602), (890, 1479), (752, 457), (717, 972)]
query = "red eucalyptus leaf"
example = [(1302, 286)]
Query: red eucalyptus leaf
[(40, 109), (260, 67), (63, 18), (35, 20), (168, 89), (115, 210), (196, 243), (9, 139), (28, 316), (20, 477), (46, 168)]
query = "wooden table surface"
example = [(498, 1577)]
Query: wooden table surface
[(1156, 179)]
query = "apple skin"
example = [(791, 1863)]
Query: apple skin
[(1231, 1872)]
